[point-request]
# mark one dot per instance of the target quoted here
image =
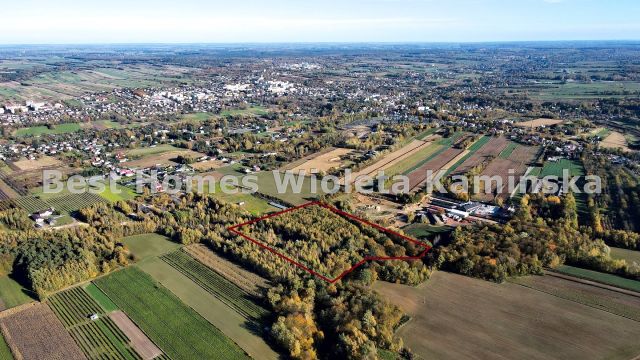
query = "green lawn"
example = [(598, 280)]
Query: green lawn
[(101, 298), (42, 130), (604, 278), (267, 184), (176, 328), (556, 168), (197, 117), (12, 293), (410, 162), (625, 254), (148, 245)]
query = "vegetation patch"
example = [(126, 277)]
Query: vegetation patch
[(177, 329)]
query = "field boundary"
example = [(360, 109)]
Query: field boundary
[(234, 229)]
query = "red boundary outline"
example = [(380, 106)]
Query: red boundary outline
[(426, 247)]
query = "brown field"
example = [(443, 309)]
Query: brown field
[(615, 140), (139, 341), (539, 122), (207, 165), (35, 332), (615, 302), (244, 279), (7, 192), (518, 161), (418, 176), (391, 159), (490, 150), (163, 159), (321, 162), (40, 163), (456, 317)]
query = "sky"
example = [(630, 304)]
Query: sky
[(215, 21)]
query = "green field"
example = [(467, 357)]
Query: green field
[(245, 333), (73, 202), (253, 204), (254, 110), (629, 256), (555, 168), (158, 149), (101, 298), (147, 245), (62, 203), (267, 185), (43, 130), (504, 154), (12, 293), (5, 352), (425, 231), (98, 339), (604, 278), (177, 329), (197, 117), (124, 195), (215, 284)]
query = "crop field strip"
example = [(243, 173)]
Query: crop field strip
[(215, 284), (471, 151), (98, 339), (504, 154), (64, 203), (247, 280), (445, 144), (177, 329)]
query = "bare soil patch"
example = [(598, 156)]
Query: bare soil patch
[(40, 163), (418, 176), (489, 151), (539, 122), (615, 140), (321, 162), (139, 341), (456, 317)]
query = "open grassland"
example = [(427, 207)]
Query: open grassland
[(151, 150), (320, 162), (216, 284), (99, 338), (177, 329), (539, 122), (404, 164), (12, 293), (163, 158), (425, 231), (122, 193), (148, 245), (244, 279), (603, 278), (243, 332), (249, 202), (250, 111), (45, 130), (268, 184), (455, 317), (597, 297), (101, 298), (630, 256), (35, 333)]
